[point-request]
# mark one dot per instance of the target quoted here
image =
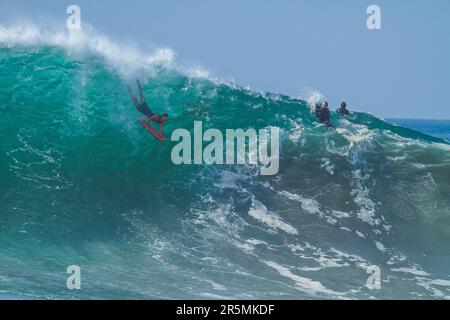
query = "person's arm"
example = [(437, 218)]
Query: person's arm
[(140, 92), (133, 98)]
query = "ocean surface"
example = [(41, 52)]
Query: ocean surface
[(82, 183), (436, 128)]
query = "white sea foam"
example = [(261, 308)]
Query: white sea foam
[(305, 284), (327, 165), (413, 271), (261, 213), (431, 284), (307, 204), (312, 96), (228, 180), (126, 59), (295, 133), (360, 234), (380, 246)]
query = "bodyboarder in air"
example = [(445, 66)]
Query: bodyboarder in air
[(151, 116)]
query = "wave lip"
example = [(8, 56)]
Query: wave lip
[(87, 40)]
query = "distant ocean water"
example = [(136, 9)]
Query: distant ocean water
[(436, 128)]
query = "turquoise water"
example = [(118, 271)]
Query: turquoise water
[(83, 184)]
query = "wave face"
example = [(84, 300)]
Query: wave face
[(83, 184)]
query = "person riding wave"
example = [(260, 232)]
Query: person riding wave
[(323, 114), (343, 111), (145, 110)]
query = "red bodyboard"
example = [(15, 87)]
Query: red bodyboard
[(152, 130)]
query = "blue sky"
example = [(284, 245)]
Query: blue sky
[(285, 46)]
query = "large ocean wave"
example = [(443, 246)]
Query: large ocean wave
[(83, 183)]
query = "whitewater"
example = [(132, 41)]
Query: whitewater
[(82, 183)]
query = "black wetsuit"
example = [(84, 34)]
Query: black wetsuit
[(145, 109), (317, 111), (323, 115), (343, 111)]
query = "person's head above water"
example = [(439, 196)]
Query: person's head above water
[(325, 104), (343, 105)]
